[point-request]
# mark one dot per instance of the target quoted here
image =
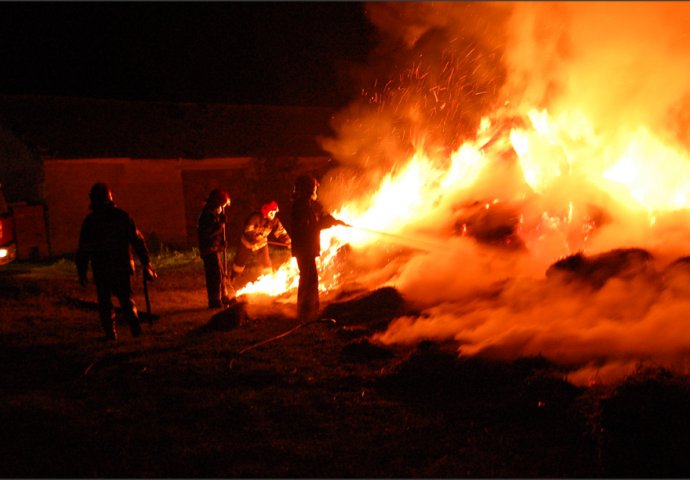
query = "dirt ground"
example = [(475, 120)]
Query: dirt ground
[(199, 396)]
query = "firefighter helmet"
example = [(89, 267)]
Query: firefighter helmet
[(305, 184), (218, 198), (271, 206), (101, 195)]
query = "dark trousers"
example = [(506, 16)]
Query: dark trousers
[(120, 286), (262, 258), (215, 285), (308, 289)]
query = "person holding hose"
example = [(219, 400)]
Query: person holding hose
[(308, 219)]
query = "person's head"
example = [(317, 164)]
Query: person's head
[(100, 195), (306, 186), (269, 210), (218, 199)]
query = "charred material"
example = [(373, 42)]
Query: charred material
[(435, 374), (374, 310), (625, 263), (676, 277), (364, 351), (491, 224), (680, 266), (229, 318)]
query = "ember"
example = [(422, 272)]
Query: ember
[(507, 138)]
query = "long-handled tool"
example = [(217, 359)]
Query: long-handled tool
[(146, 297), (225, 277), (149, 316), (225, 247)]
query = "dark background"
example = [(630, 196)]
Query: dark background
[(275, 53)]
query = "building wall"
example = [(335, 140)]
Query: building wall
[(30, 231), (165, 196), (150, 190), (21, 173), (199, 179)]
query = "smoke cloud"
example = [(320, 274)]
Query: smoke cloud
[(479, 277), (624, 64)]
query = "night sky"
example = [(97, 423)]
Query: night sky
[(275, 53)]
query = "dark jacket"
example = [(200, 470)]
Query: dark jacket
[(105, 238), (308, 219), (211, 230), (257, 229)]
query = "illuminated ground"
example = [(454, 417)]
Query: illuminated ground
[(181, 401)]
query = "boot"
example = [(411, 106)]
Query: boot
[(108, 324), (215, 304), (135, 326), (133, 321)]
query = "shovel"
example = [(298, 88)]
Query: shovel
[(149, 316)]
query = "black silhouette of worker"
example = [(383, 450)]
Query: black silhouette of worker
[(213, 245), (308, 219), (106, 240)]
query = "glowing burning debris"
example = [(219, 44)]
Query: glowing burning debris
[(282, 280), (285, 279), (553, 127), (415, 193)]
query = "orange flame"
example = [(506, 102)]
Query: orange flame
[(582, 145)]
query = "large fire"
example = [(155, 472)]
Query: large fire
[(510, 136)]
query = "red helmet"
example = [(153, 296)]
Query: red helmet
[(269, 207)]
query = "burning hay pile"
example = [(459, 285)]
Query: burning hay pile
[(519, 173)]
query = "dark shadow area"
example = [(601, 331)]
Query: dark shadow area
[(373, 310), (229, 318), (646, 424)]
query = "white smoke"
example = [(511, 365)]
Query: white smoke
[(625, 66)]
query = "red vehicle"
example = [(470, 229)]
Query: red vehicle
[(8, 247)]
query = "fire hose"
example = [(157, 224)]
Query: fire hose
[(416, 243), (279, 244), (431, 245), (330, 321)]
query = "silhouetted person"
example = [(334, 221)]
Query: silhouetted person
[(108, 236), (308, 219), (254, 240), (212, 243)]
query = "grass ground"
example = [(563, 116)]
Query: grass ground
[(191, 398)]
